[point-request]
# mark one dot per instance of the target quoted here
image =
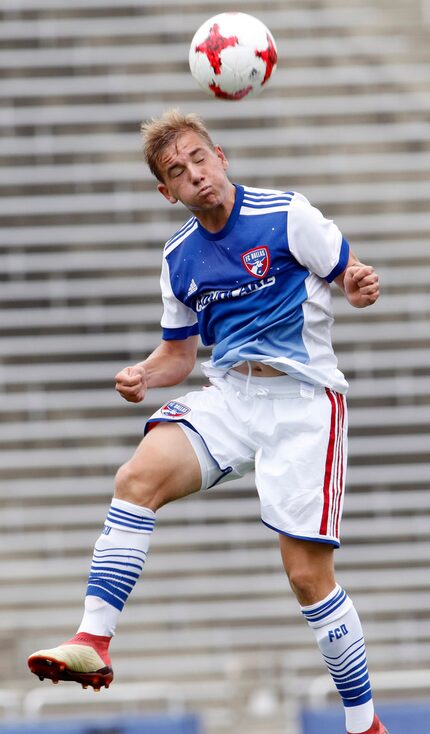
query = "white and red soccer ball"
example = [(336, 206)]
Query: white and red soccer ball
[(233, 56)]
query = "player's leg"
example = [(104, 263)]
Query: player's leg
[(164, 467), (336, 625), (309, 567), (300, 475)]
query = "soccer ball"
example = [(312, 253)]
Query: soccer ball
[(233, 56)]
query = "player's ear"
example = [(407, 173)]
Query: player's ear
[(164, 191), (221, 155)]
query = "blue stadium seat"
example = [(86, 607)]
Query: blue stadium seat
[(188, 724), (399, 718)]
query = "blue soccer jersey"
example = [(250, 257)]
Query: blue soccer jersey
[(259, 288)]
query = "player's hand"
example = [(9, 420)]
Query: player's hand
[(131, 383), (361, 285)]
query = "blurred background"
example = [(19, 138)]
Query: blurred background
[(212, 641)]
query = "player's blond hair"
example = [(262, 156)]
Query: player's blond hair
[(159, 132)]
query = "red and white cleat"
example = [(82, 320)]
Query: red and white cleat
[(84, 659), (376, 728)]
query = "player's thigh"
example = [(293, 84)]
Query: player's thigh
[(163, 468)]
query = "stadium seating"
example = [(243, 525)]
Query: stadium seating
[(345, 121)]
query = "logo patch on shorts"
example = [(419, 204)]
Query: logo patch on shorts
[(257, 261), (175, 409)]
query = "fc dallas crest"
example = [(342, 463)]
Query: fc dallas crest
[(175, 409), (257, 261)]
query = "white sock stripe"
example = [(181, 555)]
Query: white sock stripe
[(104, 556), (320, 604), (123, 587), (128, 581), (131, 509), (355, 691), (108, 555), (119, 560), (130, 517), (113, 552), (121, 520), (107, 562), (360, 693), (102, 589), (127, 516), (352, 649), (351, 681), (103, 562), (319, 614), (117, 569), (119, 573), (358, 664)]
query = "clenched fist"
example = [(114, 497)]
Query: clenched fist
[(131, 383), (361, 285)]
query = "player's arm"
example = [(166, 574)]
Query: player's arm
[(359, 283), (317, 243), (170, 363)]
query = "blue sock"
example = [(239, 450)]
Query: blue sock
[(339, 634), (119, 555)]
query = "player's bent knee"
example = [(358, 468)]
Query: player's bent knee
[(307, 584), (138, 486)]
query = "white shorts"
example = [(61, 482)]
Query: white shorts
[(294, 436)]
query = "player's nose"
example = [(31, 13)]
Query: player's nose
[(196, 174)]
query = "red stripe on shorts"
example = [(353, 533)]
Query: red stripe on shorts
[(340, 463), (329, 464)]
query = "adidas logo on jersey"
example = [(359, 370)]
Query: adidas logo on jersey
[(192, 287)]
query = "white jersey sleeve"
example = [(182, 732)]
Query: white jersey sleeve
[(314, 241), (178, 321)]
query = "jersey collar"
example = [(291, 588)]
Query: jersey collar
[(231, 221)]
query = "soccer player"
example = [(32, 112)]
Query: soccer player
[(249, 272)]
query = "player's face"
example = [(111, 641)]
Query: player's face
[(195, 174)]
